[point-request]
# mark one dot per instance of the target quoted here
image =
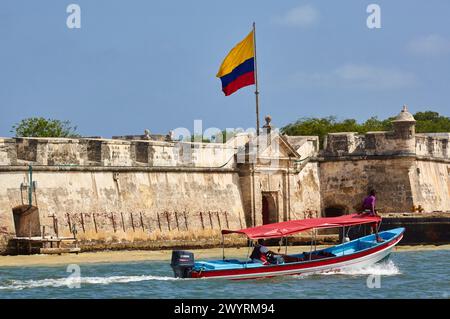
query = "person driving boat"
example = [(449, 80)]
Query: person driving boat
[(262, 254)]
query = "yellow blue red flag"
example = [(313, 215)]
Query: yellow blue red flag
[(238, 67)]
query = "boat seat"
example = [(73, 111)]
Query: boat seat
[(364, 244)]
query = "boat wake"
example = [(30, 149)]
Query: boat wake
[(71, 282), (387, 268)]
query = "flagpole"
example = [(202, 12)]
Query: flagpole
[(256, 81)]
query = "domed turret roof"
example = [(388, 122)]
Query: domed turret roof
[(404, 116)]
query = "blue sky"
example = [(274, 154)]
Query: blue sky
[(142, 64)]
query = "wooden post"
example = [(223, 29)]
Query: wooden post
[(113, 221), (132, 221), (176, 219), (218, 219), (210, 219), (68, 222), (82, 222), (226, 219), (201, 218), (95, 222), (142, 222), (56, 226), (75, 231), (123, 222), (159, 222), (185, 220), (168, 220)]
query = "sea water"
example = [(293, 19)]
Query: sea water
[(407, 274)]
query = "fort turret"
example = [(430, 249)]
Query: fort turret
[(404, 127)]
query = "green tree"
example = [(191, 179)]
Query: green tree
[(41, 127), (427, 122), (431, 122), (374, 124)]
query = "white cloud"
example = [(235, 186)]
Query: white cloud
[(302, 16), (355, 76), (430, 45)]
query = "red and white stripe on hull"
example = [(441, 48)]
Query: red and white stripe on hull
[(354, 260)]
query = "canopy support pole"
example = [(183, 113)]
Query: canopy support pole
[(248, 252), (315, 239), (223, 248)]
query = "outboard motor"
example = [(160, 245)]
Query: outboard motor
[(182, 263)]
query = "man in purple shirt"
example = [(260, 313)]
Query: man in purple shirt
[(369, 209), (369, 203)]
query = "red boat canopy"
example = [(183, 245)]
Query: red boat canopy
[(282, 229)]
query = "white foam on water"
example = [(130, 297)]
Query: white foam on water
[(381, 269), (67, 282), (387, 268)]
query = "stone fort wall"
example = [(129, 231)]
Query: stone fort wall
[(114, 189), (131, 189), (111, 188), (405, 168)]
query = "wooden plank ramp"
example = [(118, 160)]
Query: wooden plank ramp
[(60, 251)]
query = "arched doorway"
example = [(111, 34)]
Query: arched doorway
[(269, 208)]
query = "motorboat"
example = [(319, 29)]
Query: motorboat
[(349, 254)]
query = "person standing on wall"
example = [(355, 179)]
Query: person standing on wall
[(369, 205)]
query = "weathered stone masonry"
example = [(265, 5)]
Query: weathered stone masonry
[(111, 188), (133, 187), (406, 169)]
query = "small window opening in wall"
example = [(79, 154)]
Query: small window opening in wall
[(418, 170)]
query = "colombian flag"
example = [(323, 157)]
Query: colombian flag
[(238, 68)]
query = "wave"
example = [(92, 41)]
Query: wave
[(72, 282)]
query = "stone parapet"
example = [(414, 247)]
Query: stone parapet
[(8, 154), (386, 144), (433, 145), (113, 152), (400, 141), (371, 143)]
